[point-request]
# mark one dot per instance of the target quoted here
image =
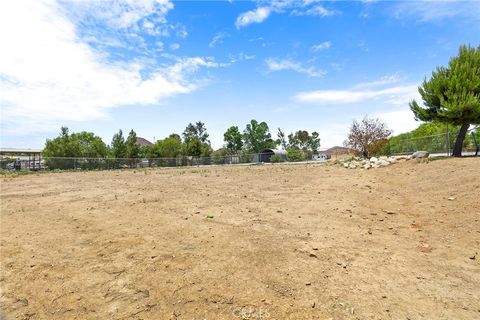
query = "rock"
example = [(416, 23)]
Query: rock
[(144, 293), (373, 159), (420, 154), (388, 211), (345, 165), (392, 160), (382, 163), (367, 166), (384, 158), (352, 166)]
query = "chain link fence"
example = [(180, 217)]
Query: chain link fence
[(63, 163), (441, 143)]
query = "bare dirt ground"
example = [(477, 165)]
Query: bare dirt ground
[(285, 242)]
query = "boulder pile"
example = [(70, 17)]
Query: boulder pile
[(374, 162)]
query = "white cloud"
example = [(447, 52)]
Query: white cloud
[(427, 11), (128, 13), (240, 57), (389, 93), (389, 79), (253, 16), (397, 94), (175, 46), (159, 45), (322, 46), (319, 11), (280, 65), (217, 38), (295, 7), (48, 76)]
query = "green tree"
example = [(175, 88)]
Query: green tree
[(170, 147), (233, 139), (452, 95), (303, 140), (118, 148), (197, 130), (75, 145), (313, 142), (257, 137), (89, 145), (196, 141), (132, 149), (298, 140)]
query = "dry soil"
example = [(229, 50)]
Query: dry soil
[(243, 242)]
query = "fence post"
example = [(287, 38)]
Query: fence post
[(448, 142)]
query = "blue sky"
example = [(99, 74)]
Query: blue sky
[(156, 65)]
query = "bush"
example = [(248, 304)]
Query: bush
[(295, 155), (277, 159)]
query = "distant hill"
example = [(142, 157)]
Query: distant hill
[(337, 150)]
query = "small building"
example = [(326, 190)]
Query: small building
[(11, 158), (267, 154), (320, 157)]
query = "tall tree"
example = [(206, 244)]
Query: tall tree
[(368, 137), (452, 95), (196, 141), (118, 145), (233, 139), (197, 130), (257, 137), (303, 140), (313, 141), (132, 149), (282, 139), (299, 140)]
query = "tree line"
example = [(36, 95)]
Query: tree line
[(192, 142)]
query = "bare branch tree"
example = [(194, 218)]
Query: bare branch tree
[(368, 137)]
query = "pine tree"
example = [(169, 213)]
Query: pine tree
[(452, 95)]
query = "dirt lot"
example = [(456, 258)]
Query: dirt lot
[(250, 242)]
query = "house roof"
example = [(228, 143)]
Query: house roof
[(18, 151), (143, 142)]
